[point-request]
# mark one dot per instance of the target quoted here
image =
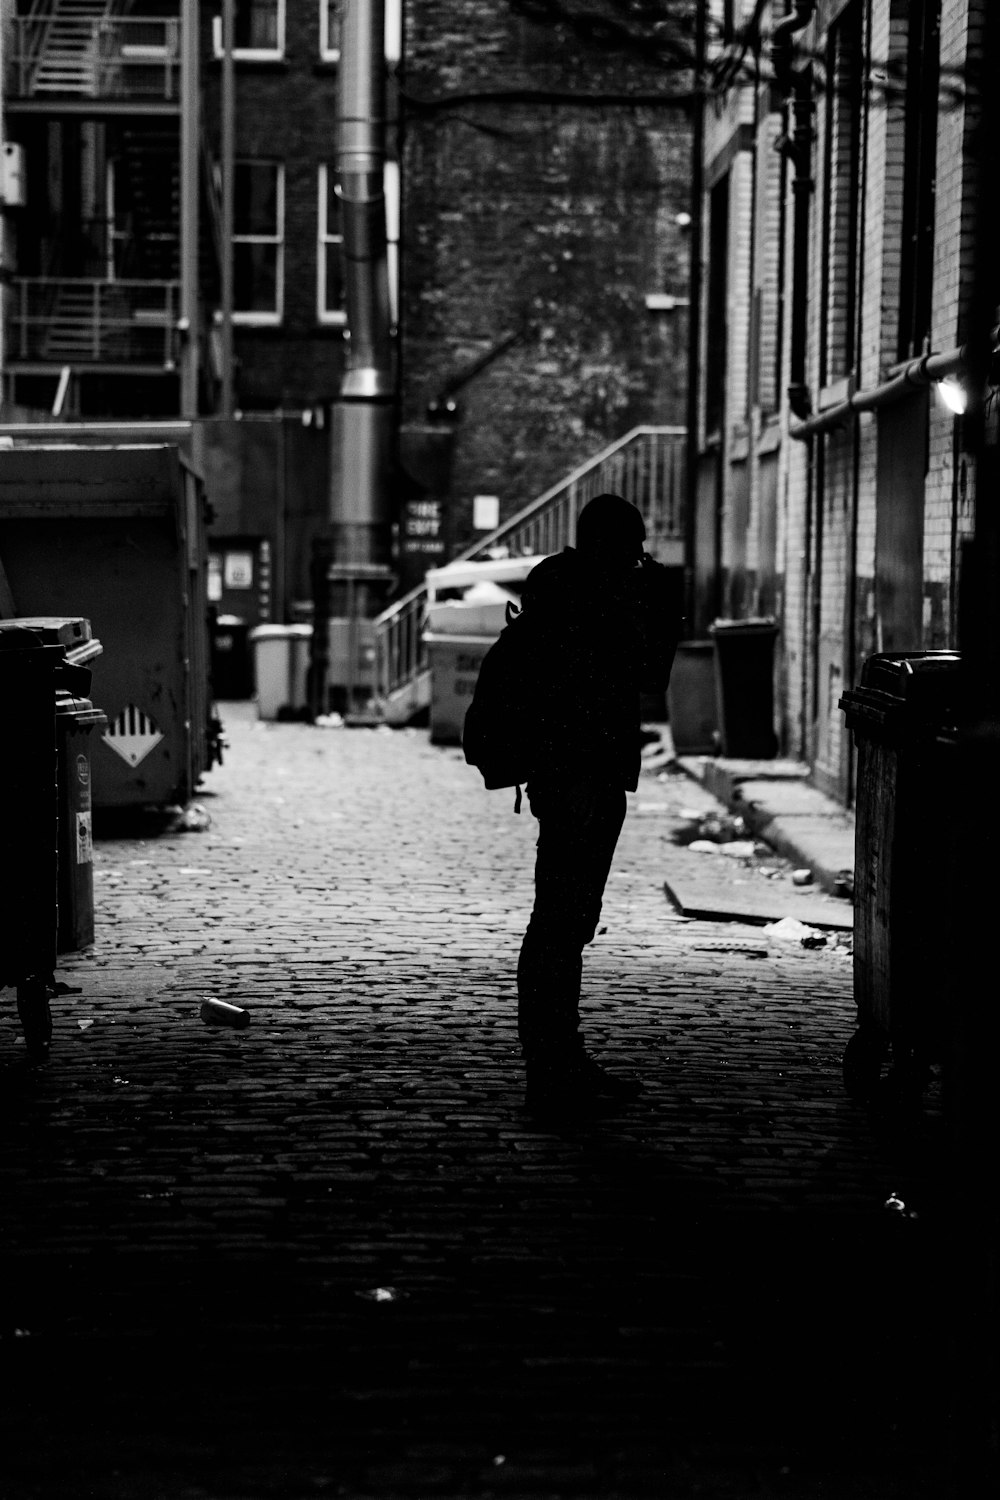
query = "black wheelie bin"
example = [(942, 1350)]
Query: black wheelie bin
[(29, 829), (904, 717)]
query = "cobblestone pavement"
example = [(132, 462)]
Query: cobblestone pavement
[(331, 1255)]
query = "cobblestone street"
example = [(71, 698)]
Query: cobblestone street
[(330, 1254)]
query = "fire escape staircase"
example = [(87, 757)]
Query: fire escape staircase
[(69, 50), (646, 466)]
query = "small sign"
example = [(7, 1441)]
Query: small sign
[(132, 735), (237, 572), (486, 512)]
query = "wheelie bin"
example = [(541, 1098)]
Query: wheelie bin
[(904, 718), (744, 686), (29, 670), (76, 721)]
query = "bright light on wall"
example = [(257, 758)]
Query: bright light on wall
[(953, 395)]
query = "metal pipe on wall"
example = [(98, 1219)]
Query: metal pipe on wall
[(228, 169), (360, 514), (189, 329)]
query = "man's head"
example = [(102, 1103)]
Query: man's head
[(610, 532)]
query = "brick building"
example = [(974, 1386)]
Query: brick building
[(542, 170), (834, 484)]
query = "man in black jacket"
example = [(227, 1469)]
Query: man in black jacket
[(606, 629)]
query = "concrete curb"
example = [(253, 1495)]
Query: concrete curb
[(780, 806)]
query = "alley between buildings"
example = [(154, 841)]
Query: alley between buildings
[(330, 1254)]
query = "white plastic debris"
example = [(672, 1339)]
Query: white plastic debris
[(193, 819), (788, 930), (329, 721), (703, 846)]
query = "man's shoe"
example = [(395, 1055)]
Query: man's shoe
[(578, 1089), (607, 1085)]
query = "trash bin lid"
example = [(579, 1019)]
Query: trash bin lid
[(53, 630), (82, 709), (758, 625), (281, 632), (923, 679)]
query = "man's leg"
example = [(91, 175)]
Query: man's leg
[(578, 827)]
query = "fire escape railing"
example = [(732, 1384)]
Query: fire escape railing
[(82, 320), (114, 57), (646, 467)]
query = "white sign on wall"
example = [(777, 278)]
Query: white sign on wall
[(486, 512)]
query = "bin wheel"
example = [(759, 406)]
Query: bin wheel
[(862, 1064), (36, 1017)]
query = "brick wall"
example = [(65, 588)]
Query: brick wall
[(554, 215)]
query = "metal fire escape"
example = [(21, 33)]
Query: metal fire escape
[(98, 290)]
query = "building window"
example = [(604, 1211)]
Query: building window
[(843, 142), (258, 30), (920, 157), (330, 251), (329, 30), (258, 241)]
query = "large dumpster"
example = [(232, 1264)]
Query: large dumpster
[(115, 532), (904, 716)]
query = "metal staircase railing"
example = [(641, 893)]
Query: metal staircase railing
[(88, 48), (646, 466)]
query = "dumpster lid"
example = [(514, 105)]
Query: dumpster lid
[(53, 630)]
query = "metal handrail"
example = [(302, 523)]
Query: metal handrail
[(136, 314), (130, 56), (644, 465)]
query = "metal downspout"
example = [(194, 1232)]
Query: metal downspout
[(357, 550), (903, 381)]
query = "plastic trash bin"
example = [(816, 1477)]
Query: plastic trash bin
[(29, 829), (281, 669), (454, 662), (691, 705), (904, 716), (232, 668), (76, 721), (744, 687)]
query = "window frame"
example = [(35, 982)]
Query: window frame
[(325, 183), (326, 52), (253, 54), (251, 317)]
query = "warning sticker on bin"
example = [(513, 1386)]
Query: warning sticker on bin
[(132, 735), (84, 839)]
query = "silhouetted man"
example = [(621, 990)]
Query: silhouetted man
[(605, 628)]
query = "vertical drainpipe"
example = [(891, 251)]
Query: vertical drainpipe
[(350, 565), (694, 325), (363, 418), (189, 331), (796, 85)]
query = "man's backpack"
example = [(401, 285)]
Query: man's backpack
[(500, 735)]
